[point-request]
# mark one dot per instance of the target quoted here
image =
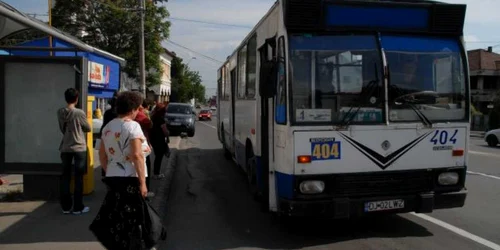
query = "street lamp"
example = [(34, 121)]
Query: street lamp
[(192, 58)]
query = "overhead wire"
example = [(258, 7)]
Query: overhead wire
[(193, 51), (208, 22)]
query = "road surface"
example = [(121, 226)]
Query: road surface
[(210, 208)]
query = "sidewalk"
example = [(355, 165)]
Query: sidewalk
[(41, 225), (477, 134), (12, 184)]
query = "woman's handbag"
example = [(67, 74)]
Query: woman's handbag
[(154, 231), (137, 240)]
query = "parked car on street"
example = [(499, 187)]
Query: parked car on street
[(205, 114), (492, 137), (180, 118)]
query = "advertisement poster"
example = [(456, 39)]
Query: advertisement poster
[(98, 75)]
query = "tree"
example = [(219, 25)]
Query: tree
[(186, 84), (111, 25)]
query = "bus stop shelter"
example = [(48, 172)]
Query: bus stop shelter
[(32, 87)]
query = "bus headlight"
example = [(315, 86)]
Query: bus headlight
[(312, 187), (448, 178)]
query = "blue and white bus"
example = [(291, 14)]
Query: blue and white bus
[(344, 108)]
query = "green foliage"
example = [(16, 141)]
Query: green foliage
[(113, 26), (186, 84), (494, 117), (22, 36)]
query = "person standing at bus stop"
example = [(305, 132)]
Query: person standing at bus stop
[(146, 126), (73, 124), (109, 115)]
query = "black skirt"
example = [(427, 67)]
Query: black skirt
[(120, 220)]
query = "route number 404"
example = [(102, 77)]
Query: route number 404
[(443, 137), (326, 151)]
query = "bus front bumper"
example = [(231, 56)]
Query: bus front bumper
[(346, 207)]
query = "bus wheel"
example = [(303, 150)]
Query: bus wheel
[(227, 154), (252, 176)]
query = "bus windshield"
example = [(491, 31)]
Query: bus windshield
[(328, 75), (428, 74)]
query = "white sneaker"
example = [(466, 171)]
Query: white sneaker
[(66, 212), (84, 210)]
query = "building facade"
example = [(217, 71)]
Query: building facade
[(484, 66), (162, 92)]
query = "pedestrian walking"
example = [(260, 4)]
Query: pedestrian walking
[(125, 220), (159, 138), (73, 124)]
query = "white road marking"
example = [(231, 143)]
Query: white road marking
[(459, 231), (482, 174), (206, 124), (484, 153)]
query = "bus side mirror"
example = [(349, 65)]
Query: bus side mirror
[(268, 79)]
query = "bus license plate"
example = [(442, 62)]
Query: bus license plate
[(384, 205)]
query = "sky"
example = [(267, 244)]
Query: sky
[(235, 18)]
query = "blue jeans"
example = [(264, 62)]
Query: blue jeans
[(78, 170)]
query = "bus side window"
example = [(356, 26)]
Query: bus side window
[(280, 112)]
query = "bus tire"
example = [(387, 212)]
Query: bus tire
[(227, 154), (252, 176)]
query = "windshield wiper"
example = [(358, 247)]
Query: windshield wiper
[(365, 94), (410, 100)]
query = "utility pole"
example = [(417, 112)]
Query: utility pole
[(142, 60)]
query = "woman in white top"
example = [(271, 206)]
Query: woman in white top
[(122, 154)]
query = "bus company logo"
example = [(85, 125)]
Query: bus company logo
[(384, 161), (319, 140)]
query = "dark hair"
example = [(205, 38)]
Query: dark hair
[(146, 103), (112, 101), (158, 113), (71, 95), (128, 101)]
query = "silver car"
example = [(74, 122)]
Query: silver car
[(180, 118)]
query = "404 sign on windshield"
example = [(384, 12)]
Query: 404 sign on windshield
[(325, 149)]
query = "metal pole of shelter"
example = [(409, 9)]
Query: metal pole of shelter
[(142, 60), (50, 24)]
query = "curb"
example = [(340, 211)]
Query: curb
[(162, 187), (477, 135)]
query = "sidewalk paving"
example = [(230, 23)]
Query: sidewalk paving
[(477, 134), (41, 225)]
